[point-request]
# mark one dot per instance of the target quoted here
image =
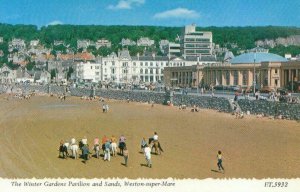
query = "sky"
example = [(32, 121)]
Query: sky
[(152, 12)]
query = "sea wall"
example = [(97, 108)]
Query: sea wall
[(268, 108)]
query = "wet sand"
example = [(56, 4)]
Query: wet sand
[(252, 147)]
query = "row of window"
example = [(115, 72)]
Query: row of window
[(197, 51), (96, 67), (197, 45), (146, 71), (196, 40), (151, 64)]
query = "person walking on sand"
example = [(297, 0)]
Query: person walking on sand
[(97, 147), (219, 157), (85, 152), (103, 141), (113, 145), (143, 144), (122, 144), (147, 153), (107, 151), (103, 108), (126, 155)]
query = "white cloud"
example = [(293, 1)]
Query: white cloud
[(177, 13), (56, 22), (126, 4)]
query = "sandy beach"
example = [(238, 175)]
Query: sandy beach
[(252, 147)]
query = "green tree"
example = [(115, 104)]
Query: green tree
[(30, 65)]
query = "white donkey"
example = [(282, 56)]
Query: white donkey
[(74, 149)]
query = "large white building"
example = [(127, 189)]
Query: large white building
[(88, 72), (126, 69), (195, 43), (123, 68)]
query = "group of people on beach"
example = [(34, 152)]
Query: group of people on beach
[(109, 147)]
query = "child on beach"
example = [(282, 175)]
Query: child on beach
[(219, 157), (126, 155)]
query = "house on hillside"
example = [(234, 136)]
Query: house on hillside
[(145, 41), (42, 76), (23, 75), (103, 43), (127, 42), (18, 44), (7, 74)]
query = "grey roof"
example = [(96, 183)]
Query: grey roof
[(257, 58)]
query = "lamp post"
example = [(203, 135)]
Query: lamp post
[(254, 74), (292, 81)]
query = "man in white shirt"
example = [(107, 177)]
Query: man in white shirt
[(155, 137), (84, 140), (147, 153), (73, 141)]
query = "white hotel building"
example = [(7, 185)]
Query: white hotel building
[(87, 72), (123, 68)]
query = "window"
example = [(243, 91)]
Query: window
[(189, 39), (146, 63), (105, 70), (134, 64), (97, 73), (151, 71), (91, 67), (141, 71), (245, 77), (113, 71), (275, 71), (151, 64), (97, 67), (105, 63), (146, 71), (235, 78), (113, 63), (141, 64)]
